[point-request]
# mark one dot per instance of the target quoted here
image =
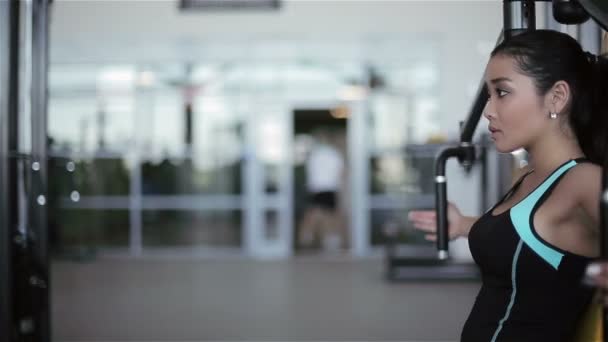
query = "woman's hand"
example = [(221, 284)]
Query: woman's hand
[(426, 221), (597, 275)]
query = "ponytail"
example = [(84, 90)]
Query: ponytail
[(589, 118)]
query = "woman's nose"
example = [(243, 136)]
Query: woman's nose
[(488, 110)]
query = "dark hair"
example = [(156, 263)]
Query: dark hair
[(550, 56)]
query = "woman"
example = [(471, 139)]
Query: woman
[(548, 96)]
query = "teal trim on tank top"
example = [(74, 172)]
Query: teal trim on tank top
[(513, 293), (521, 213)]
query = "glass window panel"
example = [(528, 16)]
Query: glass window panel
[(163, 130), (409, 172), (271, 228), (94, 177), (271, 143), (395, 174), (85, 229), (271, 177), (393, 225), (218, 132), (417, 76), (182, 176), (181, 228), (72, 78), (70, 123), (91, 108), (84, 124), (213, 166), (392, 121)]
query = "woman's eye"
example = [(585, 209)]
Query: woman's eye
[(501, 92)]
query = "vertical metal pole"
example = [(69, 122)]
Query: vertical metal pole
[(143, 105), (12, 126), (358, 159), (604, 239), (8, 58), (39, 280), (253, 188)]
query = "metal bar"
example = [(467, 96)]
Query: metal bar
[(39, 115), (441, 195), (136, 183), (91, 155), (598, 10), (518, 16), (8, 58), (12, 125), (604, 238), (252, 181), (39, 84), (359, 178), (172, 202), (192, 202)]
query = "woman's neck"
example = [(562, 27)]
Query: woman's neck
[(546, 157), (549, 153)]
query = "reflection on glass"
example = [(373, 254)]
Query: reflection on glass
[(271, 135), (271, 228), (185, 124), (167, 228), (392, 174), (271, 143), (409, 171), (94, 177), (85, 122), (182, 176), (88, 229), (401, 119), (396, 174), (271, 175), (393, 225), (163, 130), (391, 121)]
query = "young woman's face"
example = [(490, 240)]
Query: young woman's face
[(516, 112)]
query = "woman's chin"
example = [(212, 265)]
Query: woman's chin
[(501, 148)]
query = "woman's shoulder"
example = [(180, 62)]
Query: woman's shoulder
[(583, 184), (585, 175)]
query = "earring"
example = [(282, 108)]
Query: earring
[(553, 115)]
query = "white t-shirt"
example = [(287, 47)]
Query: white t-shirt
[(324, 169)]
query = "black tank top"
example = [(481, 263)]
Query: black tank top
[(531, 290)]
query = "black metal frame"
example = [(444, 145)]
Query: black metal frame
[(598, 10), (39, 278), (8, 43), (604, 237), (24, 257), (233, 5)]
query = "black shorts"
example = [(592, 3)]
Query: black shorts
[(324, 199)]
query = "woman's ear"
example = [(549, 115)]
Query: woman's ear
[(558, 97)]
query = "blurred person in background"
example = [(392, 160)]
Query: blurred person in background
[(324, 169)]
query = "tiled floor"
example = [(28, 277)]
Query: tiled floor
[(300, 299)]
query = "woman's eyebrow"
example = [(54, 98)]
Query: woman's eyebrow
[(501, 79)]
